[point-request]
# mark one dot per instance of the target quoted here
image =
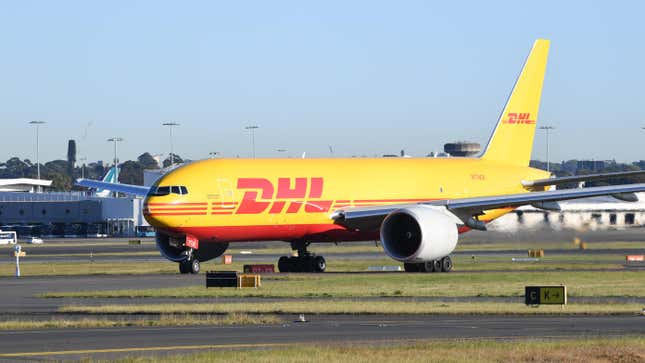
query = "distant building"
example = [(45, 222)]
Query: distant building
[(593, 164), (23, 185), (70, 214), (595, 213), (462, 148)]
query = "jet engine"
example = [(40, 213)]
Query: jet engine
[(172, 248), (419, 233)]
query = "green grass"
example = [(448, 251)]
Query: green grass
[(462, 263), (179, 319), (88, 268), (581, 350), (587, 283), (331, 306), (520, 246)]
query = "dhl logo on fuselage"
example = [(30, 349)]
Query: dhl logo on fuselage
[(292, 193), (519, 119)]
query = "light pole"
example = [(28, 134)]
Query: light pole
[(37, 124), (170, 126), (251, 129), (82, 159), (547, 128), (115, 140)]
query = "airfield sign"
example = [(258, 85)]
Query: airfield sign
[(545, 295)]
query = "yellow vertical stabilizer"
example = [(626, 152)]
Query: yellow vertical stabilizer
[(512, 140)]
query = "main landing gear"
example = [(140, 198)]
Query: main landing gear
[(441, 265), (189, 265), (305, 261)]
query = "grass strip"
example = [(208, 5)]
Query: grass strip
[(331, 306), (163, 320), (462, 264), (494, 284), (582, 350)]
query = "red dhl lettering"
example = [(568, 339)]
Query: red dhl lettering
[(291, 193), (519, 119)]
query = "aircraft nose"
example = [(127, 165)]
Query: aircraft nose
[(153, 212)]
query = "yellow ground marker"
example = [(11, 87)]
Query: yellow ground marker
[(143, 349)]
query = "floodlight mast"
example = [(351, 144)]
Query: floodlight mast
[(37, 124), (170, 126), (547, 128), (115, 140), (252, 129)]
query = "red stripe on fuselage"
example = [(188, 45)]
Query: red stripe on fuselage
[(157, 209), (312, 232), (176, 214)]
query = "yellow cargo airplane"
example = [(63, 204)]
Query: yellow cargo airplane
[(416, 207)]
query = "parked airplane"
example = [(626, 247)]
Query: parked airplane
[(415, 206), (110, 177)]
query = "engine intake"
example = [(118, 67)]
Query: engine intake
[(418, 234)]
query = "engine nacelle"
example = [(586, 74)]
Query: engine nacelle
[(419, 233), (173, 248)]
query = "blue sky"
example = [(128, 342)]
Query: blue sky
[(364, 77)]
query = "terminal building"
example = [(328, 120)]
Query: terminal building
[(597, 213), (74, 214), (71, 214)]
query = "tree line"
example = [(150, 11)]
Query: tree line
[(62, 173)]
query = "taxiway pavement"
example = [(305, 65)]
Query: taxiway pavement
[(324, 329)]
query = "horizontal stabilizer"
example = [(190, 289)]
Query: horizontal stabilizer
[(580, 178), (139, 190), (626, 197)]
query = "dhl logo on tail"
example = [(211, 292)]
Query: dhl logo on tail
[(519, 119)]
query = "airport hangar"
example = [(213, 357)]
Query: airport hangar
[(70, 214)]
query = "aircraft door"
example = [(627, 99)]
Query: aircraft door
[(226, 195)]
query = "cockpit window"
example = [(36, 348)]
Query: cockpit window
[(165, 190), (161, 191)]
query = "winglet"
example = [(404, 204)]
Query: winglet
[(512, 139)]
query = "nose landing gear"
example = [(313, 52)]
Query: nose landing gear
[(305, 261), (189, 265)]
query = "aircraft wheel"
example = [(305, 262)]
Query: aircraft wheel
[(436, 266), (411, 267), (425, 266), (319, 264), (307, 264), (296, 264), (184, 267), (446, 264), (284, 265), (194, 266)]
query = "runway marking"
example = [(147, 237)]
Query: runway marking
[(144, 349), (271, 345)]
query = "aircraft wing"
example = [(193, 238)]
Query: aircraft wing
[(580, 178), (467, 209), (115, 187)]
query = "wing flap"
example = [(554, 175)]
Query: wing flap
[(468, 208)]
